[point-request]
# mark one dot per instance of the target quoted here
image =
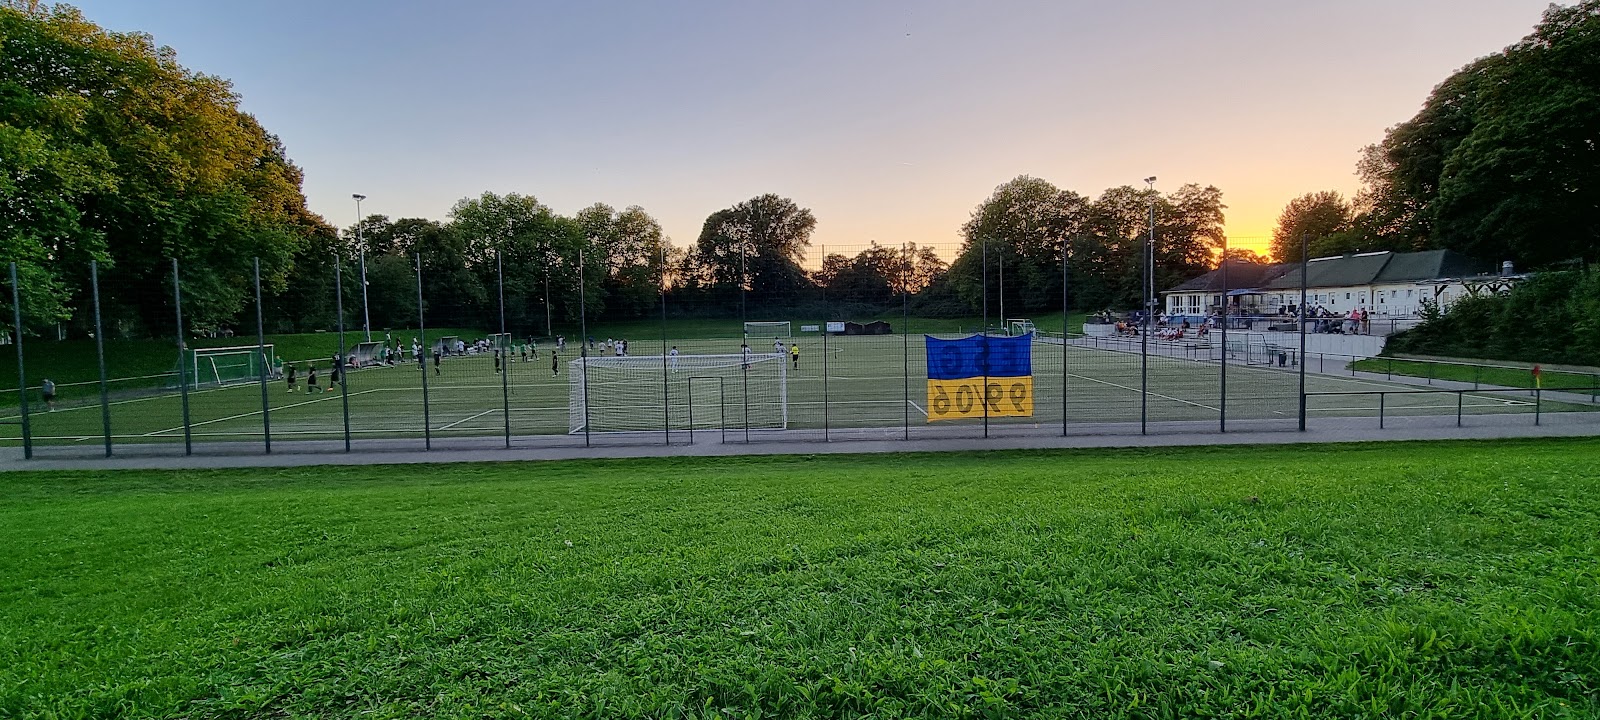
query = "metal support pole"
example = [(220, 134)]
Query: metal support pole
[(905, 335), (1147, 261), (505, 352), (826, 316), (423, 350), (261, 353), (983, 393), (666, 387), (338, 362), (1538, 404), (100, 354), (22, 374), (1066, 244), (1459, 396), (183, 365), (1305, 263), (1381, 397), (583, 342), (366, 315), (1222, 406)]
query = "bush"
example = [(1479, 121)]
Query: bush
[(1550, 317)]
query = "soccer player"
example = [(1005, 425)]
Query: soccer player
[(526, 348), (777, 346), (794, 354), (288, 375), (744, 349), (621, 348), (311, 379), (555, 364), (333, 375), (674, 355), (436, 361), (497, 361), (47, 390)]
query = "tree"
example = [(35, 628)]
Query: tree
[(1023, 225), (1313, 216), (1501, 161), (113, 151), (1245, 255), (633, 248), (759, 244)]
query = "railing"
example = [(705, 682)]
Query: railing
[(1383, 396)]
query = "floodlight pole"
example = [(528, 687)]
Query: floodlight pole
[(366, 317), (583, 341), (100, 353)]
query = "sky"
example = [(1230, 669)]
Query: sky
[(891, 121)]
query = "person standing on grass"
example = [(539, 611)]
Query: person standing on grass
[(794, 354), (333, 374), (311, 379), (47, 390), (497, 361), (436, 361), (288, 376), (526, 348), (674, 355), (555, 364), (777, 346)]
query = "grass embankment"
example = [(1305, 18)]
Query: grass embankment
[(1482, 374), (1406, 580)]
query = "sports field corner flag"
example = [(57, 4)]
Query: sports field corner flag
[(968, 374)]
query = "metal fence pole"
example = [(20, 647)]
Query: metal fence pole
[(504, 352), (1066, 244), (826, 317), (422, 352), (261, 352), (905, 335), (100, 355), (1222, 405), (1538, 404), (1146, 262), (338, 361), (983, 394), (1304, 266), (1381, 397), (22, 374), (666, 388), (583, 343), (183, 365), (1459, 396)]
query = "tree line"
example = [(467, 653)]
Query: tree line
[(1501, 162)]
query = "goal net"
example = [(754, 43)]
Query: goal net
[(500, 341), (446, 345), (1019, 326), (703, 392), (221, 366), (767, 329)]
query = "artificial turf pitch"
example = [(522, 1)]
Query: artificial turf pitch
[(853, 382), (1404, 580)]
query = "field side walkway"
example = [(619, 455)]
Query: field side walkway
[(962, 438)]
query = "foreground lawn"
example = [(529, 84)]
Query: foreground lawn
[(1403, 580)]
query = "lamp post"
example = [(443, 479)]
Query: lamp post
[(366, 316)]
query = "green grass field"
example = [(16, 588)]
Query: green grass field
[(1483, 374), (870, 382), (1409, 580)]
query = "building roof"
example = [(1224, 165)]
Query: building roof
[(1341, 271)]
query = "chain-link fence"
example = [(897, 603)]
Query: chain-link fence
[(873, 342)]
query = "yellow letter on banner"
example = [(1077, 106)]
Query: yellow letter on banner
[(965, 398)]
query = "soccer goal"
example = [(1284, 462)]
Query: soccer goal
[(1019, 326), (446, 345), (221, 366), (705, 392), (767, 329), (500, 341)]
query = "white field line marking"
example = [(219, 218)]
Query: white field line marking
[(918, 407), (468, 419), (193, 425), (1135, 390)]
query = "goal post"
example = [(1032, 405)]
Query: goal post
[(767, 329), (1019, 326), (708, 392), (225, 365), (500, 341)]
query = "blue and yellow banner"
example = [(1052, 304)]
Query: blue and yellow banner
[(980, 375)]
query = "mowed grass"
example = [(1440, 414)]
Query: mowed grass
[(1484, 374), (1406, 580)]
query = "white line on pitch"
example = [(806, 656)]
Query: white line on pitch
[(248, 414), (1159, 395), (467, 419), (918, 407)]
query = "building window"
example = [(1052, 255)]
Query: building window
[(1347, 296)]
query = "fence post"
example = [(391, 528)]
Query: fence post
[(1222, 405), (338, 361), (583, 341), (666, 387), (983, 394), (1304, 267), (1066, 244), (1381, 397), (183, 364), (504, 352), (22, 375), (423, 350), (100, 355), (1538, 404), (261, 352), (905, 336), (1459, 396)]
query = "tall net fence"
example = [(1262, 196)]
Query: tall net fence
[(836, 345)]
